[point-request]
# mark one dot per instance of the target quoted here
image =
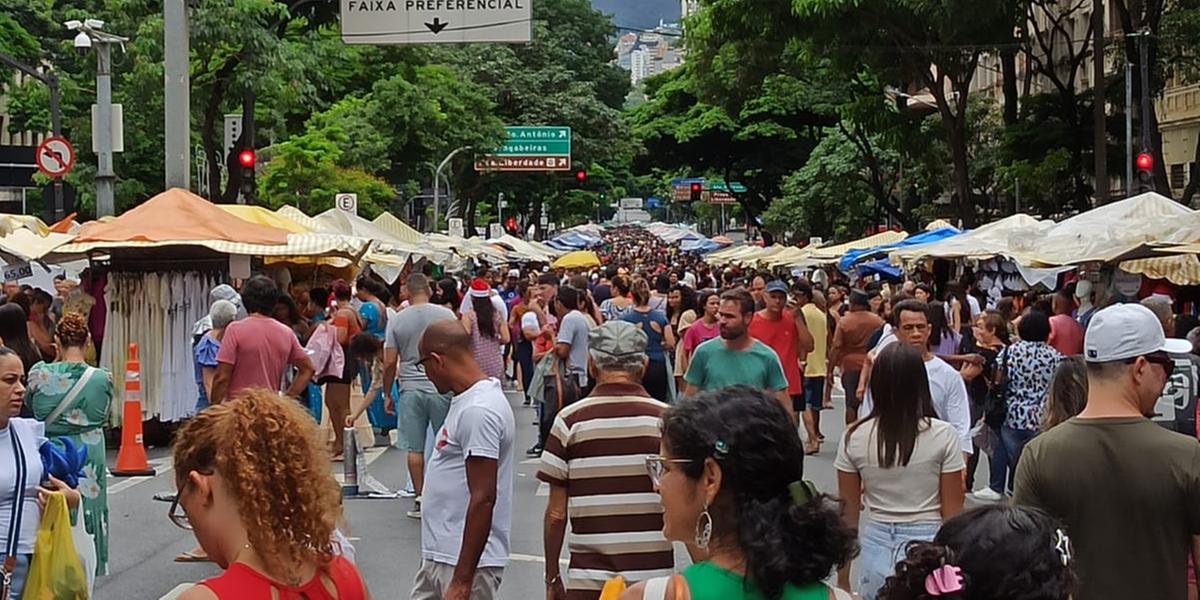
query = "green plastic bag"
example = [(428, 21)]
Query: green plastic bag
[(56, 572)]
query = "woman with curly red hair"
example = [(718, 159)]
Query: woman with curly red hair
[(254, 485)]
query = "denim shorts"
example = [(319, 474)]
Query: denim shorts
[(420, 412), (814, 392), (882, 546)]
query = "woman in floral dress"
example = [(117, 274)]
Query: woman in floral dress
[(78, 414)]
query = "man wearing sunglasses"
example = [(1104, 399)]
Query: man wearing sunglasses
[(1127, 489)]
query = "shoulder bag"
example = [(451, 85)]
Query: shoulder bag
[(70, 397), (14, 517), (996, 407)]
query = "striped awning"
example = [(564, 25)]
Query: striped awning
[(831, 254), (298, 244), (1180, 269)]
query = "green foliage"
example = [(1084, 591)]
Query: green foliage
[(305, 172), (827, 197)]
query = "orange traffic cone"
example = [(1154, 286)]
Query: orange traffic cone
[(131, 460)]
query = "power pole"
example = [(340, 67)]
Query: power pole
[(1101, 133), (1128, 129)]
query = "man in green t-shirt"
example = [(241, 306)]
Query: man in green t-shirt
[(736, 358), (1126, 489)]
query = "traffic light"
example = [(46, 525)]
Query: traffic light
[(1144, 161), (696, 189), (247, 158), (581, 176), (510, 224)]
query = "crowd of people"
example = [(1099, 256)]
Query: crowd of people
[(675, 402)]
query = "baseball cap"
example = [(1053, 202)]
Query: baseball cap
[(1125, 331), (777, 286), (514, 273), (617, 338)]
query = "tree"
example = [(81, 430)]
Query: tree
[(926, 42)]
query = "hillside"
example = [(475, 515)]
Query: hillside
[(639, 14)]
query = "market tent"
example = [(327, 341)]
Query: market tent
[(263, 216), (1180, 269), (179, 215), (526, 250), (297, 215), (831, 254), (399, 229), (574, 240), (789, 257), (1011, 236), (11, 223), (26, 245), (580, 259), (1106, 233), (926, 237)]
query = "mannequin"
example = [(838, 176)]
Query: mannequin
[(1083, 296)]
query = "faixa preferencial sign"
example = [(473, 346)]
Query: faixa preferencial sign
[(435, 21)]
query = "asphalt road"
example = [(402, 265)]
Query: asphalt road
[(387, 542)]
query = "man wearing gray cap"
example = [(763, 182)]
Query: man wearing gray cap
[(1126, 489), (595, 458)]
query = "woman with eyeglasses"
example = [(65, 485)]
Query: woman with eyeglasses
[(255, 487), (21, 472), (730, 478)]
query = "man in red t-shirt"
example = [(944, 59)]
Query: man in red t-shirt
[(1066, 335), (256, 350), (786, 333)]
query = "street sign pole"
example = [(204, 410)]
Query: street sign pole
[(105, 205)]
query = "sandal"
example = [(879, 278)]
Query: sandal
[(192, 557)]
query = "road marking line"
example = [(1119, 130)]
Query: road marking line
[(161, 467), (177, 591)]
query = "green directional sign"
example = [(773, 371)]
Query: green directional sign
[(536, 141)]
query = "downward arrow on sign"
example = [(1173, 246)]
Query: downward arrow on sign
[(437, 25)]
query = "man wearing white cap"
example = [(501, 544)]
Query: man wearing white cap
[(1126, 489)]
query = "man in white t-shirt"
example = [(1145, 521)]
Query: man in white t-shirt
[(946, 386), (467, 513)]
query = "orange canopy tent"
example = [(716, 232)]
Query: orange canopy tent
[(179, 215)]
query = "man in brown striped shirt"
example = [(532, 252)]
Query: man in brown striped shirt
[(594, 461)]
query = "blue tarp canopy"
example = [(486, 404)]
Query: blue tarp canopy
[(573, 240), (700, 246), (882, 267), (848, 259)]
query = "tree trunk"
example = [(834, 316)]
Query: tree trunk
[(962, 171), (1008, 66)]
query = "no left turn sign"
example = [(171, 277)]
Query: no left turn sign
[(55, 156)]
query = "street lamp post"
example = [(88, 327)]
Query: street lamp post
[(437, 177), (89, 34)]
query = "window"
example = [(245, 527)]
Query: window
[(1178, 177)]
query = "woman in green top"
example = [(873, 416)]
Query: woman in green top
[(73, 399), (730, 477)]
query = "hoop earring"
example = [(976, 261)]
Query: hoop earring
[(704, 528)]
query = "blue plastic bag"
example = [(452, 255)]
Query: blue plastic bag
[(63, 459)]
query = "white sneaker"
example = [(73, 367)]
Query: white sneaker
[(407, 494), (988, 495), (415, 513)]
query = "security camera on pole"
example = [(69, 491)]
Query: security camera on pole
[(89, 35)]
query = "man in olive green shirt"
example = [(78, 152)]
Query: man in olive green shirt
[(1126, 489)]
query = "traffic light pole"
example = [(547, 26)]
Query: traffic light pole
[(1145, 59), (51, 81)]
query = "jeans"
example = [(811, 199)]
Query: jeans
[(20, 572), (998, 466), (1006, 455), (883, 545)]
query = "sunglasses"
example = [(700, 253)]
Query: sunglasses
[(656, 466), (1163, 360)]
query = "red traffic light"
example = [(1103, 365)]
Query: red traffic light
[(1144, 161), (581, 176), (510, 224), (246, 157), (696, 188)]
